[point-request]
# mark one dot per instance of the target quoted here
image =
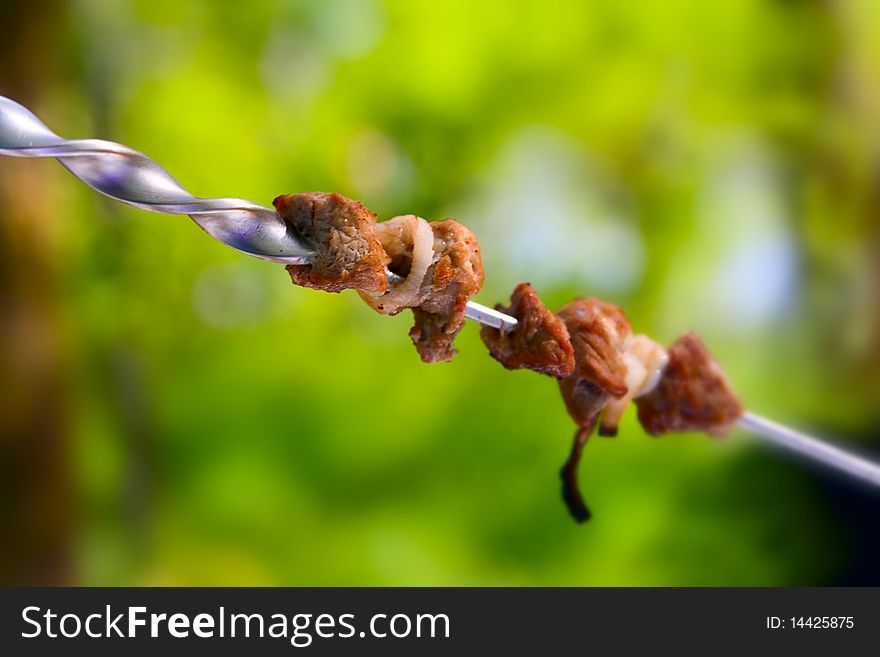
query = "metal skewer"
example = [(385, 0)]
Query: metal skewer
[(812, 448), (131, 177), (489, 316)]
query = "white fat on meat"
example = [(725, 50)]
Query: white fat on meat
[(411, 237), (645, 361)]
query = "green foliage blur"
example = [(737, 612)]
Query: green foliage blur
[(708, 166)]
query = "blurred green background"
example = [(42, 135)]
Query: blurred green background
[(174, 413)]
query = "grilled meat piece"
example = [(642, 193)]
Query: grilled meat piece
[(598, 331), (340, 231), (454, 276), (440, 269), (538, 342), (692, 394)]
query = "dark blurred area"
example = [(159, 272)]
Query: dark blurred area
[(176, 413)]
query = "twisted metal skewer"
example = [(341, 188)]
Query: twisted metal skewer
[(131, 177)]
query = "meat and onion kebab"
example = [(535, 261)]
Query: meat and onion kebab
[(440, 267), (434, 268)]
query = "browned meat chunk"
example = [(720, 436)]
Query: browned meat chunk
[(440, 269), (598, 332), (434, 335), (539, 341), (454, 276), (692, 394), (347, 253)]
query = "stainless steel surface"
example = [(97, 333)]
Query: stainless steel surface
[(131, 177)]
